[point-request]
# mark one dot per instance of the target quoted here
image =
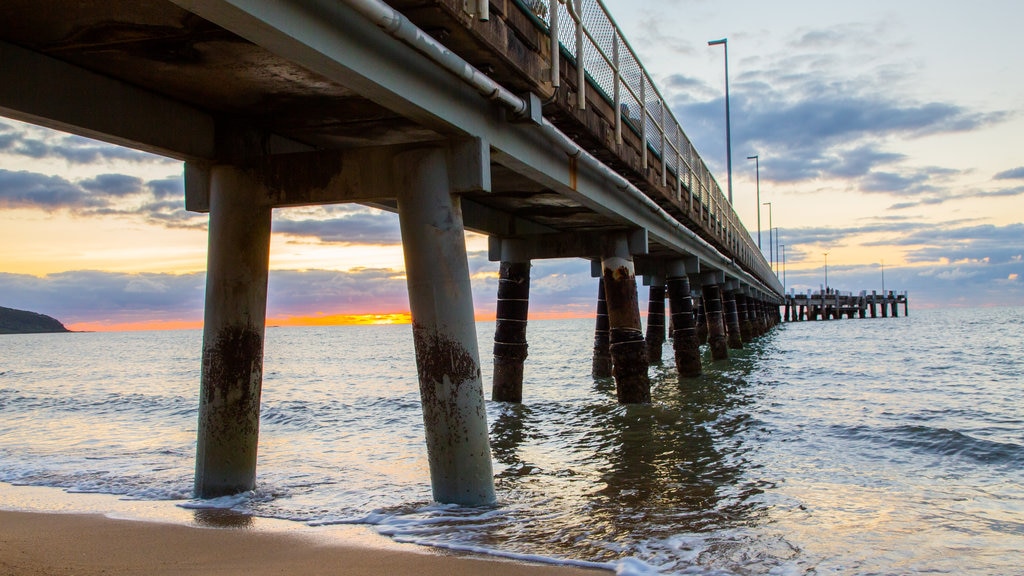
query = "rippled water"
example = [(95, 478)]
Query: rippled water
[(850, 447)]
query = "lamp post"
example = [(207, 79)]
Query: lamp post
[(728, 129), (883, 277), (771, 259), (776, 251), (826, 272), (757, 172), (783, 268)]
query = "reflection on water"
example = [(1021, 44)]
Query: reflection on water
[(220, 518)]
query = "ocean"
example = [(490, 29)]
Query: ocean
[(873, 446)]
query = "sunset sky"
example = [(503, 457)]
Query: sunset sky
[(890, 136)]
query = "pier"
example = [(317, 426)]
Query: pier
[(834, 305), (532, 123)]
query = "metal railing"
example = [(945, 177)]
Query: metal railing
[(585, 33)]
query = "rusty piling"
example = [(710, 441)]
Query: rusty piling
[(684, 335), (510, 345), (628, 349), (655, 337)]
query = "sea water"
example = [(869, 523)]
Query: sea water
[(874, 446)]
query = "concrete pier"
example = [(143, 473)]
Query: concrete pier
[(233, 329), (510, 346), (444, 329), (684, 334), (743, 307), (712, 290), (732, 319), (702, 320), (655, 337), (602, 364), (628, 349)]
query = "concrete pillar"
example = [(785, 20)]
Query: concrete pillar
[(602, 366), (232, 365), (712, 290), (743, 309), (684, 334), (510, 346), (629, 351), (732, 320), (885, 306), (656, 321), (444, 329), (895, 306), (701, 318), (872, 302)]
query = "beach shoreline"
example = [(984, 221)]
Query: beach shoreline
[(42, 532)]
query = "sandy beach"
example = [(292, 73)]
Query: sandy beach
[(84, 545)]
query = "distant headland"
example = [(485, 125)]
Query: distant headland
[(24, 322)]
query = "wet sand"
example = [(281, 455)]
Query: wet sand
[(54, 544)]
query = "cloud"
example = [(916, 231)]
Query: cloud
[(811, 114), (23, 189), (21, 139), (1015, 174), (113, 184), (346, 226)]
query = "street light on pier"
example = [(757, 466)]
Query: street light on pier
[(783, 268), (776, 251), (771, 258), (757, 172), (724, 42), (826, 272)]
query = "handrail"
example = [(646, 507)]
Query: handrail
[(595, 43)]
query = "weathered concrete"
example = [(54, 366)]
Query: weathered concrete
[(712, 289), (701, 320), (655, 337), (732, 319), (628, 349), (232, 365), (510, 346), (444, 329), (602, 364), (684, 334), (743, 309)]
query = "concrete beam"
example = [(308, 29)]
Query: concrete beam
[(35, 88), (337, 176)]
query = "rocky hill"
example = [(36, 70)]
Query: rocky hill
[(24, 322)]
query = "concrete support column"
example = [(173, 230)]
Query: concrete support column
[(743, 308), (444, 329), (684, 334), (895, 306), (712, 290), (885, 306), (656, 321), (701, 318), (628, 349), (732, 320), (871, 303), (602, 366), (510, 346), (232, 365)]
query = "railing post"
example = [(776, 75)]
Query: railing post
[(617, 90), (556, 45), (643, 122), (581, 72)]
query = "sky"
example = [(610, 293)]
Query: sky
[(890, 136)]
